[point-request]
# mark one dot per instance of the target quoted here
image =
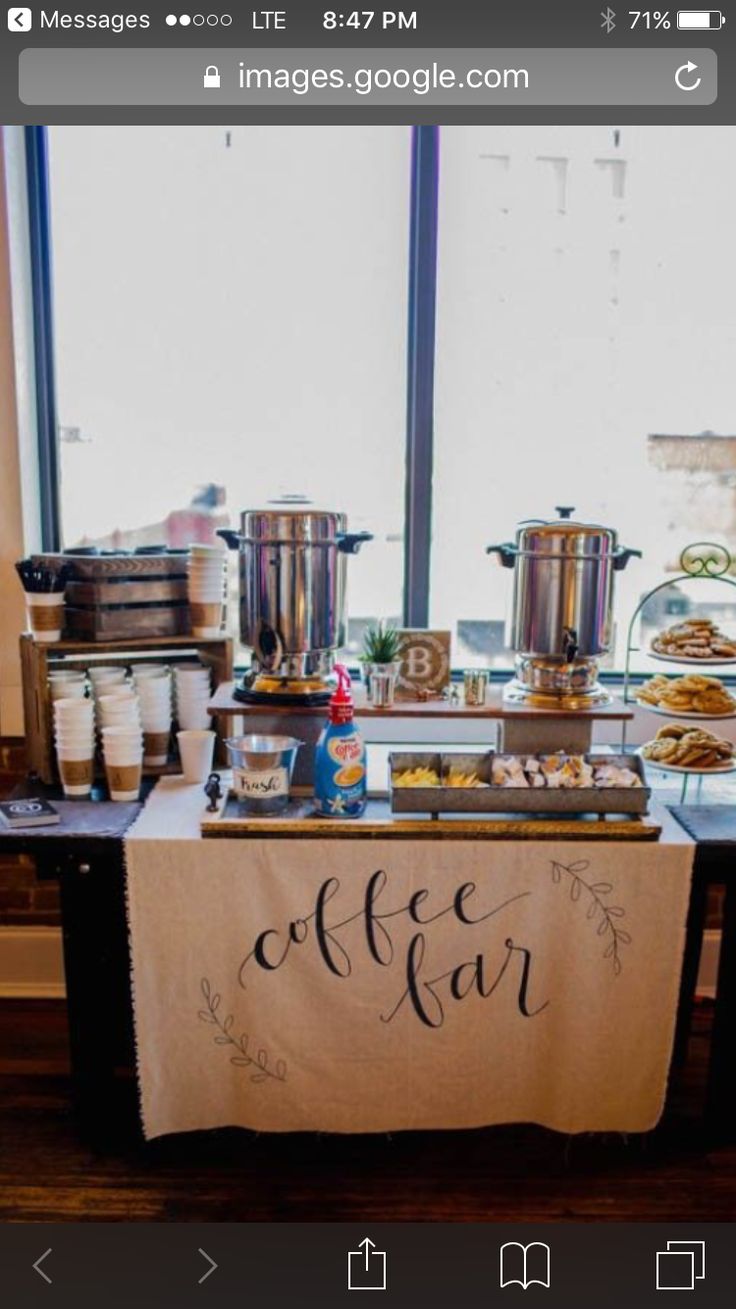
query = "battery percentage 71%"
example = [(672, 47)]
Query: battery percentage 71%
[(654, 20)]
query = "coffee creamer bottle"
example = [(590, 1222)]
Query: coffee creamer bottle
[(340, 778)]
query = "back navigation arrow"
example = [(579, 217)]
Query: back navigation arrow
[(38, 1267), (211, 1268)]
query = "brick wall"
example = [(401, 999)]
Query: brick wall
[(23, 900)]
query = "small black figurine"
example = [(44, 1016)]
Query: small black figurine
[(213, 791)]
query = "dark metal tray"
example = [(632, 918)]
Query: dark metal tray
[(509, 799)]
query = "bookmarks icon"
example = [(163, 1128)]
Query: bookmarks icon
[(525, 1265)]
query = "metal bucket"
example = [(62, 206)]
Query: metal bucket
[(262, 768)]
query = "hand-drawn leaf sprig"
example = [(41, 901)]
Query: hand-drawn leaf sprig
[(245, 1054), (597, 906)]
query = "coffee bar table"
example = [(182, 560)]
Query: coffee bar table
[(86, 857)]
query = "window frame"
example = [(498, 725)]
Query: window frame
[(421, 302)]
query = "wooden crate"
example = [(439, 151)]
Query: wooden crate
[(125, 623), (37, 660), (123, 597)]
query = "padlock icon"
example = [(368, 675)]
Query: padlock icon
[(212, 78)]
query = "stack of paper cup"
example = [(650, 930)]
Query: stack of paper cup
[(67, 684), (122, 750), (153, 687), (207, 573), (192, 697), (74, 735), (104, 679)]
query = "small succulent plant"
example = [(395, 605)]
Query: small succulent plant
[(381, 644)]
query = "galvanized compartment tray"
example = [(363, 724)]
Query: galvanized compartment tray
[(508, 799)]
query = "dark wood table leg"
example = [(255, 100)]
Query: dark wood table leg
[(720, 1111), (690, 963), (97, 967)]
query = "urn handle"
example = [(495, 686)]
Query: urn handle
[(231, 538), (349, 543), (622, 555), (506, 552)]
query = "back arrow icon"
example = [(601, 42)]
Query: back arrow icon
[(684, 71), (39, 1270), (211, 1269)]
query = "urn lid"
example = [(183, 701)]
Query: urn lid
[(292, 518), (565, 535)]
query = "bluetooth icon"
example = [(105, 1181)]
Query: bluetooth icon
[(609, 20)]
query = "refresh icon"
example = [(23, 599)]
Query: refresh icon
[(684, 78)]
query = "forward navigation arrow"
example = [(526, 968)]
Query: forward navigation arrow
[(212, 1267), (38, 1267)]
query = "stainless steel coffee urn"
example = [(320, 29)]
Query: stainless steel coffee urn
[(292, 572), (562, 618)]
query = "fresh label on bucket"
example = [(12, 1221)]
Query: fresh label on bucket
[(261, 784)]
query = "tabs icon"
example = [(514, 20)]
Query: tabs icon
[(211, 79)]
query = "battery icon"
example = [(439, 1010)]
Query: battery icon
[(700, 20)]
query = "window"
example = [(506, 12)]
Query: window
[(230, 324), (585, 346)]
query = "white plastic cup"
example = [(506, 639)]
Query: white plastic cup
[(196, 751), (112, 704), (106, 672), (84, 740), (192, 720), (73, 711), (67, 691), (207, 580), (156, 742), (123, 758), (206, 549), (206, 616), (143, 673), (185, 672), (160, 700), (154, 688), (198, 721), (115, 735), (206, 564), (76, 767), (45, 615), (124, 777), (67, 675)]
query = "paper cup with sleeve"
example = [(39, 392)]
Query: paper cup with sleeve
[(45, 615)]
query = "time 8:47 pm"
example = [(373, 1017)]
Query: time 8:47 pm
[(362, 19)]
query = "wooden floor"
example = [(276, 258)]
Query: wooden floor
[(499, 1174)]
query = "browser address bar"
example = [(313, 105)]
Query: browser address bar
[(340, 77)]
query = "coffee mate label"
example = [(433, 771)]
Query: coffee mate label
[(263, 784), (345, 750), (77, 772)]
